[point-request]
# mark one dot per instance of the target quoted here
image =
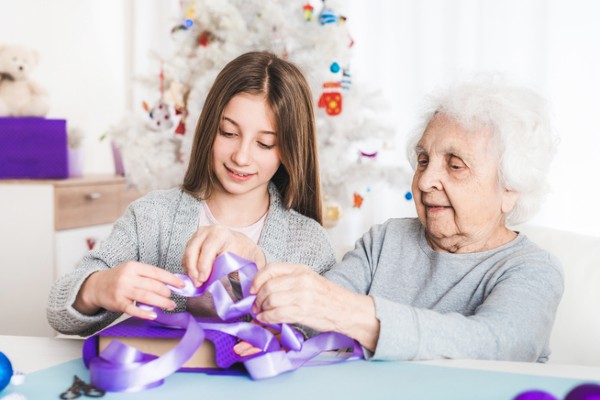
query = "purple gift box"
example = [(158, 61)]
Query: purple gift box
[(33, 148), (136, 329)]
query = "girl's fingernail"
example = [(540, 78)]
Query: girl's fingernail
[(152, 315)]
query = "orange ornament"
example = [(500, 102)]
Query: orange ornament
[(358, 200)]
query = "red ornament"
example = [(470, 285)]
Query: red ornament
[(308, 12), (331, 99), (91, 242), (204, 38), (180, 130)]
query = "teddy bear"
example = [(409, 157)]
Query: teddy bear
[(19, 95)]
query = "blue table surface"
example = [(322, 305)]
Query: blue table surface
[(350, 380)]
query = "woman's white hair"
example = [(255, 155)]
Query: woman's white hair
[(519, 120)]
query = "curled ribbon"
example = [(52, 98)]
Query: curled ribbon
[(122, 368)]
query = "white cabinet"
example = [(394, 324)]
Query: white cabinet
[(45, 226)]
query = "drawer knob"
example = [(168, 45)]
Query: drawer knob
[(94, 196)]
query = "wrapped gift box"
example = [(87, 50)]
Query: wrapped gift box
[(157, 340), (33, 148)]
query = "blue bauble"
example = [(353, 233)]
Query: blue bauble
[(327, 16), (408, 196), (6, 371)]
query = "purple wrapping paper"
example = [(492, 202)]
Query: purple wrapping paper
[(135, 327), (33, 148)]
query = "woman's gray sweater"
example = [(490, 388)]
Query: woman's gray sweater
[(497, 304)]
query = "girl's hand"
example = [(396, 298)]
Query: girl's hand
[(119, 288), (208, 243)]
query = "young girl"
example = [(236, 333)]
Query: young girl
[(253, 169)]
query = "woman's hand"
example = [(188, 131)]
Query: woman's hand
[(119, 288), (211, 241), (295, 294)]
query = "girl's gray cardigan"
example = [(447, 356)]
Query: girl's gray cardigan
[(155, 230)]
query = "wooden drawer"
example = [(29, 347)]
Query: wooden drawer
[(91, 204)]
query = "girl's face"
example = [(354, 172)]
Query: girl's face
[(245, 151)]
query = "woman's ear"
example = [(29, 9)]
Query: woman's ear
[(509, 199)]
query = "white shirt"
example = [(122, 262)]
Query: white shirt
[(252, 231)]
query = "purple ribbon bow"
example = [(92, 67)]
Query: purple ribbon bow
[(122, 368)]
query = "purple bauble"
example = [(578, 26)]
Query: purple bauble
[(535, 395), (588, 391)]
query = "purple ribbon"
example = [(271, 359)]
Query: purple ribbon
[(122, 368)]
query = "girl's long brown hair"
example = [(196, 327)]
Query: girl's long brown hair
[(289, 97)]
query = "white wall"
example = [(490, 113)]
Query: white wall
[(409, 47), (83, 63), (90, 49)]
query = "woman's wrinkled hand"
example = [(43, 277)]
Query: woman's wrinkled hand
[(121, 287), (294, 294)]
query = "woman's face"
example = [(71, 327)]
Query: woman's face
[(245, 151), (456, 188)]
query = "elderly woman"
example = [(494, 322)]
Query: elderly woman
[(457, 282)]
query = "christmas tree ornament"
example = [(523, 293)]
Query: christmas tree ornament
[(408, 196), (368, 155), (160, 114), (6, 371), (205, 38), (327, 15), (190, 12), (90, 242), (346, 78), (182, 112), (334, 67), (358, 200), (188, 22), (180, 27), (331, 98), (332, 212), (308, 12)]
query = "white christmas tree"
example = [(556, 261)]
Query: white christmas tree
[(351, 121)]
